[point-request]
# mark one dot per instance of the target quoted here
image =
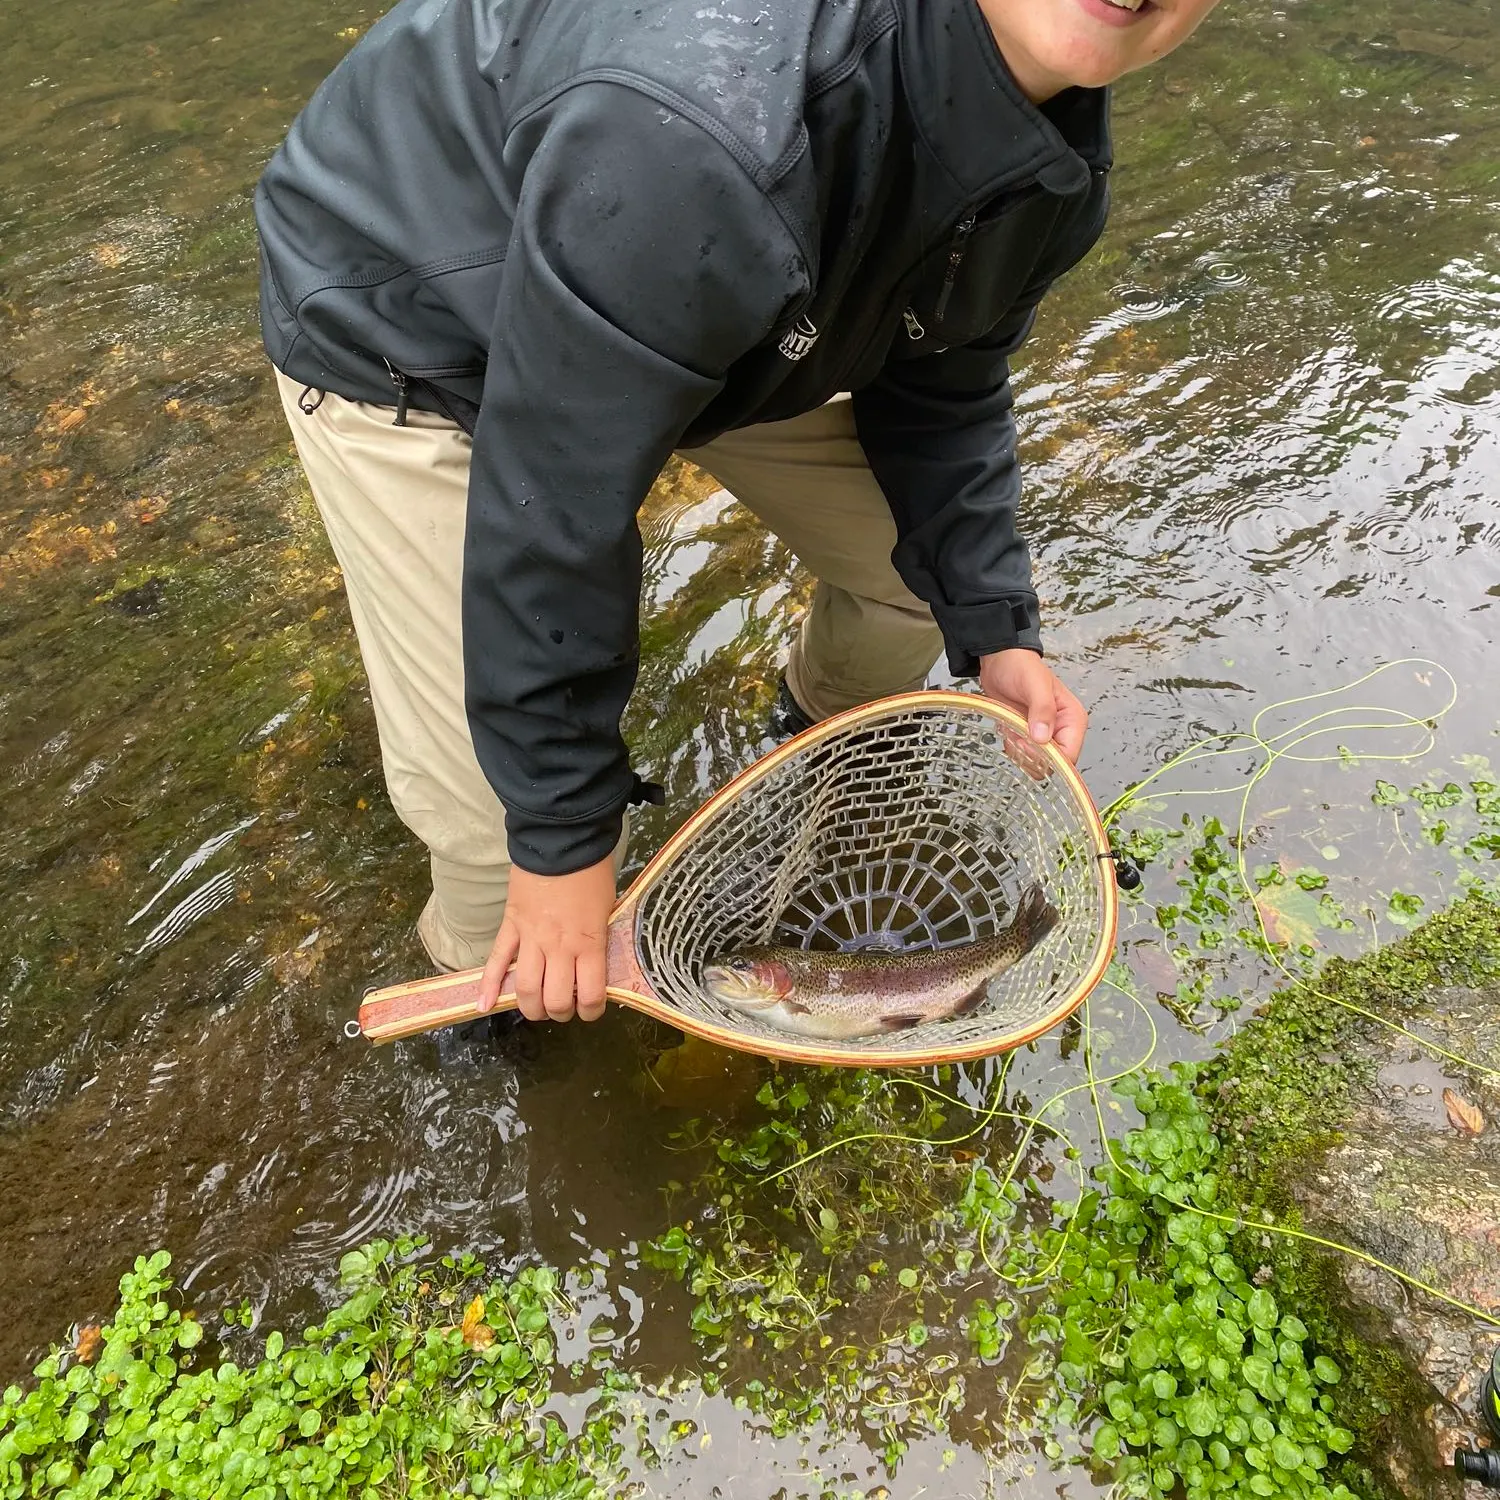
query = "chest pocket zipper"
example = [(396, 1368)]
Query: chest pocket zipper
[(956, 255)]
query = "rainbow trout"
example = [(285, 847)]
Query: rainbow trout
[(836, 996)]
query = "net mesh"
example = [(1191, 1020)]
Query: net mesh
[(914, 830)]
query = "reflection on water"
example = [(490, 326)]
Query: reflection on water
[(1263, 433)]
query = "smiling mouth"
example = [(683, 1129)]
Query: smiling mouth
[(1132, 5)]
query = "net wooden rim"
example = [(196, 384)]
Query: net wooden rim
[(789, 1048)]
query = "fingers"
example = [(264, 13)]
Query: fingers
[(531, 973), (557, 986), (590, 976), (1022, 681), (1071, 724), (561, 927), (1027, 754), (502, 956), (1038, 692)]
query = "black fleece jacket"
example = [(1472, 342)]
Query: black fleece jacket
[(596, 231)]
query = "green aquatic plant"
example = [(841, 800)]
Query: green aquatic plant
[(1145, 1309), (428, 1379), (1155, 1331)]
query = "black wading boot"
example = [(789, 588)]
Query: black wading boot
[(787, 716)]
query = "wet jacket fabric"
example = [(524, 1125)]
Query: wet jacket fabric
[(596, 231)]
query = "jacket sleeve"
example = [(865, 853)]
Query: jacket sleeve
[(940, 435), (644, 260)]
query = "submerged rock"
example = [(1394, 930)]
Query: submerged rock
[(1412, 1189), (1370, 1138)]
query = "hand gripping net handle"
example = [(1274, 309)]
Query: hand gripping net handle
[(916, 822)]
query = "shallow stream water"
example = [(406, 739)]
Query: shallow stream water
[(1262, 432)]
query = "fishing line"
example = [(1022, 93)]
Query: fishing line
[(1254, 738), (1286, 745), (986, 1117), (1240, 1223), (1282, 746), (1040, 1277)]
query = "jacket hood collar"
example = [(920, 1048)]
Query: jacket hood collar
[(978, 127)]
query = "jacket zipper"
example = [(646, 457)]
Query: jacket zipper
[(956, 253), (906, 284), (399, 381)]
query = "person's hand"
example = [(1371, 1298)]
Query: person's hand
[(1022, 681), (554, 933)]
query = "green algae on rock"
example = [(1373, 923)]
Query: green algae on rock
[(1336, 1121)]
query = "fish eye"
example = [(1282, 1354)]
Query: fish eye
[(739, 965)]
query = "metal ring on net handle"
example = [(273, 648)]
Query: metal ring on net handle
[(917, 821)]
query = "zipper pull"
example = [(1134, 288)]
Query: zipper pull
[(914, 330), (961, 235), (399, 381)]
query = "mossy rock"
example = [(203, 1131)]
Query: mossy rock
[(1344, 1124)]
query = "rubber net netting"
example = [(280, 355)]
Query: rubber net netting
[(916, 830)]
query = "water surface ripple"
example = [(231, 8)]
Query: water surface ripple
[(1261, 426)]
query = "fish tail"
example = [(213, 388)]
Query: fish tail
[(1035, 918)]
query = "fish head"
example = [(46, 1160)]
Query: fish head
[(747, 980)]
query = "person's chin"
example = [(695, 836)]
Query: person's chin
[(1102, 42), (1083, 64)]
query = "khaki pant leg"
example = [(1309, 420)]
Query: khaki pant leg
[(867, 635), (394, 500)]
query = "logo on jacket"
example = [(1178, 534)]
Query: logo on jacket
[(798, 343)]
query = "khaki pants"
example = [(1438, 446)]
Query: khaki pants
[(394, 501)]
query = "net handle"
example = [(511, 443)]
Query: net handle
[(403, 1010), (424, 1005)]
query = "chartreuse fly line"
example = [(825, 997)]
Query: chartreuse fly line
[(1239, 1223), (1284, 746), (1287, 745)]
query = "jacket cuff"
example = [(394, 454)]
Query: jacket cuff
[(542, 846), (974, 630)]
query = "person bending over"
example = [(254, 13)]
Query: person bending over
[(515, 253)]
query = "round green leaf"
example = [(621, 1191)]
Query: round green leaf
[(1229, 1336), (309, 1422), (1257, 1370), (1262, 1309), (1326, 1371), (1201, 1414), (1285, 1454)]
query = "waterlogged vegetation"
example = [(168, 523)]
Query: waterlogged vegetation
[(891, 1257), (1139, 1323), (1141, 1316), (1259, 434), (426, 1380)]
